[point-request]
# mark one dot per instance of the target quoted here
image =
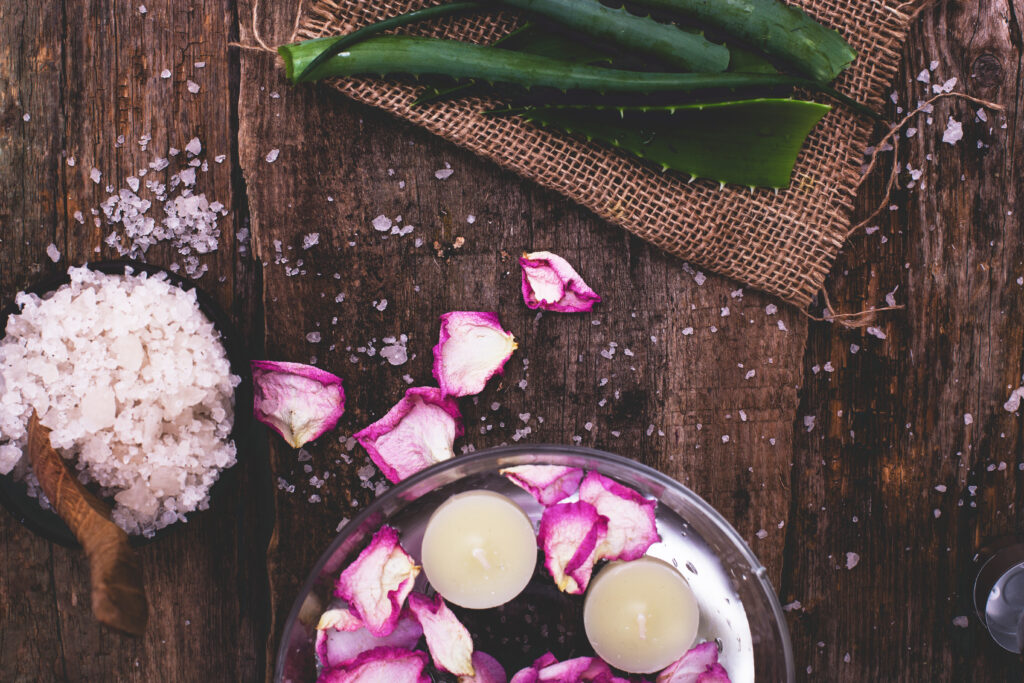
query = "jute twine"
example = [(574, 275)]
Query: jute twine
[(782, 242)]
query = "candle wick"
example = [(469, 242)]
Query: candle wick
[(481, 557), (641, 623)]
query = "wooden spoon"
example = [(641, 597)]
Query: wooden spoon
[(115, 572)]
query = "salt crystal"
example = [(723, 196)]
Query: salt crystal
[(192, 86), (782, 326), (761, 533), (954, 132), (699, 278), (53, 253), (95, 175), (310, 240), (941, 488), (395, 353), (750, 374), (71, 161), (194, 147), (968, 419), (771, 309), (199, 65), (911, 132), (443, 174), (166, 73), (26, 117), (809, 422), (933, 65), (79, 217), (924, 76), (220, 158), (381, 305), (1012, 404), (875, 332), (381, 223), (852, 559), (687, 331), (725, 312), (961, 622), (272, 155)]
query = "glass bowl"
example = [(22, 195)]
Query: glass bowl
[(46, 523), (739, 607)]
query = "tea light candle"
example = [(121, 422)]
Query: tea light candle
[(479, 549), (640, 616)]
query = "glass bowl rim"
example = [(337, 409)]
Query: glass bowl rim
[(757, 569)]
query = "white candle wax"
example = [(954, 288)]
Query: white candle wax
[(640, 616), (479, 549)]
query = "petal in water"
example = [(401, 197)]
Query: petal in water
[(377, 583), (570, 534), (698, 665), (472, 349), (550, 283), (339, 646), (450, 644), (488, 670), (390, 664), (631, 526), (549, 484), (417, 432), (299, 402)]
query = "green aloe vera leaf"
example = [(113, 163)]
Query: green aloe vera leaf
[(778, 30), (666, 42), (383, 55), (747, 142)]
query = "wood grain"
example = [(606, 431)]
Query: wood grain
[(714, 389)]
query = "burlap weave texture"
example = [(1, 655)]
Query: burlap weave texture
[(781, 242)]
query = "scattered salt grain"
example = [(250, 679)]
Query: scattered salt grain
[(26, 117), (875, 332), (199, 65), (1012, 404), (313, 337), (771, 309), (272, 155), (945, 87), (194, 147), (381, 223), (95, 175), (142, 9), (852, 559), (961, 622), (380, 305), (700, 278), (968, 419), (954, 132), (395, 352), (53, 253), (71, 161), (192, 86), (924, 76), (687, 331), (761, 533), (311, 240), (809, 422), (782, 326)]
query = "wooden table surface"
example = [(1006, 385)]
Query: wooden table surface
[(820, 444)]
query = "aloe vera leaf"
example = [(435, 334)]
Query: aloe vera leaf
[(677, 48), (778, 30), (341, 42), (414, 55), (748, 142)]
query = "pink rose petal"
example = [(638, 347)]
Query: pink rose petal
[(377, 583), (530, 674), (547, 483), (472, 349), (578, 670), (631, 526), (550, 283), (488, 670), (380, 665), (299, 402), (450, 644), (417, 432), (338, 646), (698, 662), (570, 534), (339, 619)]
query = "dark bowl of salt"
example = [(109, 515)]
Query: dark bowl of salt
[(14, 494)]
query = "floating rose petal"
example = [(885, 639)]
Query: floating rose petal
[(582, 669), (698, 665), (297, 401), (530, 674), (631, 527), (570, 534), (391, 664), (450, 644), (547, 483), (472, 349), (550, 283), (377, 583), (417, 432), (339, 619), (338, 646), (488, 670)]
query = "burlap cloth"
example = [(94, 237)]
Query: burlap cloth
[(783, 243)]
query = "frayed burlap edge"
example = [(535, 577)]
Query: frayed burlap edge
[(781, 242)]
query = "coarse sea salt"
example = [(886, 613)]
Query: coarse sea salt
[(135, 385)]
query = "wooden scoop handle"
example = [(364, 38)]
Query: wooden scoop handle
[(118, 594)]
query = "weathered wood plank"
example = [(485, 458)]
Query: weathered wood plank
[(913, 460), (87, 74), (675, 394)]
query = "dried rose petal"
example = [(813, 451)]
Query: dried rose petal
[(377, 583), (631, 526), (570, 534), (472, 349), (417, 432), (391, 664), (579, 669), (450, 644), (530, 674), (698, 665), (547, 483), (299, 402), (488, 670), (339, 619), (338, 646), (550, 283)]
